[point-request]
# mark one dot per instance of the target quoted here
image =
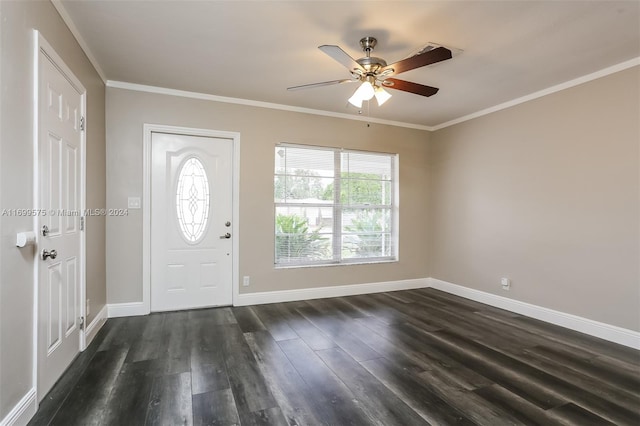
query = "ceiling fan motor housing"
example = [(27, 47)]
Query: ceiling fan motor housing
[(371, 64)]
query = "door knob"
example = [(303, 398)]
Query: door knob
[(225, 236), (52, 254)]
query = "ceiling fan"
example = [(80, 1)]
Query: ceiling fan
[(375, 74)]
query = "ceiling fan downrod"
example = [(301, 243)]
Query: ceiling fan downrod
[(368, 44)]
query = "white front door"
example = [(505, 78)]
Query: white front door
[(191, 214), (60, 280)]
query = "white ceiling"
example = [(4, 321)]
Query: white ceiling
[(256, 49)]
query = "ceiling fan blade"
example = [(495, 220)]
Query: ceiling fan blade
[(341, 56), (324, 83), (407, 86), (430, 57)]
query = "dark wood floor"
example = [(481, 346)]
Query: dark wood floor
[(403, 358)]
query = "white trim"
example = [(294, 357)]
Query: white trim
[(148, 129), (36, 197), (553, 89), (23, 411), (92, 329), (604, 331), (246, 299), (41, 45), (259, 104), (74, 31), (204, 96), (116, 310)]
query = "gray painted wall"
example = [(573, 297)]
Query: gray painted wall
[(260, 130), (546, 193), (19, 18)]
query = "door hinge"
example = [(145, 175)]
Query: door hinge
[(82, 123), (81, 323), (82, 223)]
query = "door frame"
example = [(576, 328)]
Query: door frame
[(41, 45), (148, 130)]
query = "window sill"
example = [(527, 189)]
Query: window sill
[(331, 265)]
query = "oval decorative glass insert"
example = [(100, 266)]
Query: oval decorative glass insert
[(192, 199)]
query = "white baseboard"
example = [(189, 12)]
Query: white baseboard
[(132, 309), (95, 326), (245, 299), (23, 411), (604, 331)]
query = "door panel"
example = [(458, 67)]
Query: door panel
[(59, 171), (191, 212)]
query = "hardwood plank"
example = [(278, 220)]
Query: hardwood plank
[(303, 328), (209, 377), (462, 304), (123, 332), (579, 416), (290, 391), (410, 351), (337, 306), (412, 391), (87, 401), (148, 345), (374, 308), (533, 384), (624, 378), (527, 413), (330, 393), (176, 337), (339, 332), (247, 319), (501, 369), (574, 339), (382, 405), (464, 400), (171, 401), (131, 394), (274, 322), (206, 342), (267, 417), (400, 296), (207, 360), (563, 370), (213, 316), (250, 390), (215, 408)]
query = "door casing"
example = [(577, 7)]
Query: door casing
[(148, 129), (41, 45)]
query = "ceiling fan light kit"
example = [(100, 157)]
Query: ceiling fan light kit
[(374, 73)]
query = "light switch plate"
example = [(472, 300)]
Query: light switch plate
[(133, 203)]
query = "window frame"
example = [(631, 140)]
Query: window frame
[(338, 208)]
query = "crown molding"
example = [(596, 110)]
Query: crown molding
[(76, 34), (553, 89), (259, 104)]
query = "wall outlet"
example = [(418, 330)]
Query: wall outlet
[(88, 309), (506, 283), (246, 281)]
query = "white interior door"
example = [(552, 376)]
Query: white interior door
[(60, 280), (191, 214)]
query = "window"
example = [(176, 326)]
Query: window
[(334, 206), (192, 199)]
